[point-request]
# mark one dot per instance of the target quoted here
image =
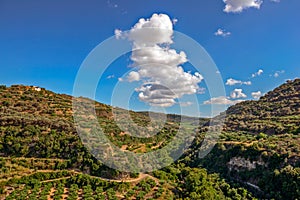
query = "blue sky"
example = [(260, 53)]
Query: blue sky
[(44, 43)]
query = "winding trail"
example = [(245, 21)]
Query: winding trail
[(128, 180), (131, 180)]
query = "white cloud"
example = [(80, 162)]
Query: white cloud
[(237, 6), (256, 95), (157, 65), (222, 101), (232, 81), (258, 73), (237, 93), (222, 32), (118, 33), (150, 32), (110, 76), (133, 76), (174, 21), (275, 1)]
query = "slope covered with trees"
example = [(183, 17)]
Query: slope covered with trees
[(42, 156), (276, 112), (259, 147)]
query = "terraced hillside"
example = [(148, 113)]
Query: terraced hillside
[(259, 147), (35, 117), (70, 184), (276, 112), (42, 156)]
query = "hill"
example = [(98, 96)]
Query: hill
[(277, 112), (259, 147), (42, 156)]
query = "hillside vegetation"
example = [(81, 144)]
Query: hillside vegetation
[(259, 147), (277, 112), (42, 156)]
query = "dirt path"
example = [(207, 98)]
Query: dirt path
[(131, 180), (57, 179), (158, 145), (141, 177)]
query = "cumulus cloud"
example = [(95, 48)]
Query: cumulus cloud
[(157, 65), (237, 93), (133, 76), (232, 81), (152, 32), (256, 95), (237, 6), (258, 73), (222, 32), (222, 100)]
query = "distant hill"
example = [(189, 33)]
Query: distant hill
[(276, 112), (30, 108), (259, 147), (42, 156)]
